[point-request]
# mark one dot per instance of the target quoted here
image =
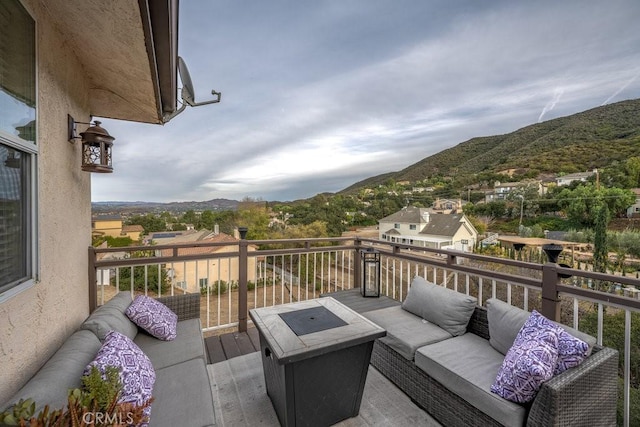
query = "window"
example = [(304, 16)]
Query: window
[(396, 225), (17, 148), (204, 283), (413, 227)]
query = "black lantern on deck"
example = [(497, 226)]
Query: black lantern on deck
[(370, 286)]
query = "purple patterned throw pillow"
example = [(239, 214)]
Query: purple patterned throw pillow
[(530, 361), (571, 351), (136, 371), (154, 317)]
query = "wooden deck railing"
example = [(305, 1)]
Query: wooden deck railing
[(234, 277)]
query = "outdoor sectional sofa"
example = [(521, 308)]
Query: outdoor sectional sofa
[(182, 392), (450, 375)]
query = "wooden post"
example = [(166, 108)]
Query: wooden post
[(242, 280), (550, 300)]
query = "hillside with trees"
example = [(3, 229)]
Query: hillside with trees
[(591, 139)]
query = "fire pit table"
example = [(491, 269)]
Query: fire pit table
[(315, 357)]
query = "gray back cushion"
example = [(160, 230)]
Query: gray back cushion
[(446, 308), (505, 321), (111, 317), (51, 384)]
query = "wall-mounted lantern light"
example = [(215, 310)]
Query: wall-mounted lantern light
[(96, 146), (370, 286)]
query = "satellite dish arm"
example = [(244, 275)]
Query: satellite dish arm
[(187, 92), (192, 102)]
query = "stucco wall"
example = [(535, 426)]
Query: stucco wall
[(35, 322)]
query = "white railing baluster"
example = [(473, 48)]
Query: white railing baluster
[(627, 366)]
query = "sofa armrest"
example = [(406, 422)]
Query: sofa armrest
[(587, 392), (186, 306)]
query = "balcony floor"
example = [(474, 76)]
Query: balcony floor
[(240, 398), (227, 346)]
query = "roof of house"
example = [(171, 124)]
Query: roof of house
[(132, 228), (443, 225), (128, 49), (408, 214), (198, 236), (577, 175)]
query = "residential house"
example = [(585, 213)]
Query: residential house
[(61, 58), (192, 276), (633, 211), (501, 190), (106, 225), (447, 206), (111, 225), (132, 231), (422, 227), (569, 178)]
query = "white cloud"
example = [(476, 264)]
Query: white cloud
[(316, 97)]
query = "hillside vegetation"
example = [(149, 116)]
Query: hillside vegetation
[(591, 139)]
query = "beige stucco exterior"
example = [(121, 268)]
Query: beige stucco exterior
[(187, 275), (36, 321), (107, 227), (93, 58)]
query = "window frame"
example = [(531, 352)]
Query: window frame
[(31, 150)]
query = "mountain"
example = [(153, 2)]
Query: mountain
[(149, 207), (580, 142)]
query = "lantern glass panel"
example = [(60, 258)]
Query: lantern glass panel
[(370, 286)]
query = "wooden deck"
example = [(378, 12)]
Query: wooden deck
[(240, 396), (227, 346)]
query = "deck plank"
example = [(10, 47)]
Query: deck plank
[(245, 346), (215, 352), (230, 345)]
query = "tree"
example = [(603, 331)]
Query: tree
[(601, 248), (580, 203), (151, 223), (144, 278)]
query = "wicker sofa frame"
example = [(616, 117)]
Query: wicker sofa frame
[(585, 395)]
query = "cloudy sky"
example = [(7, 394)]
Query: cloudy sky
[(317, 95)]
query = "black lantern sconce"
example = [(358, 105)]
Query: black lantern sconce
[(97, 145), (370, 286)]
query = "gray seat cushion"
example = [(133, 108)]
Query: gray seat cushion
[(111, 317), (467, 365), (444, 307), (187, 345), (505, 321), (406, 332), (182, 394), (63, 371)]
